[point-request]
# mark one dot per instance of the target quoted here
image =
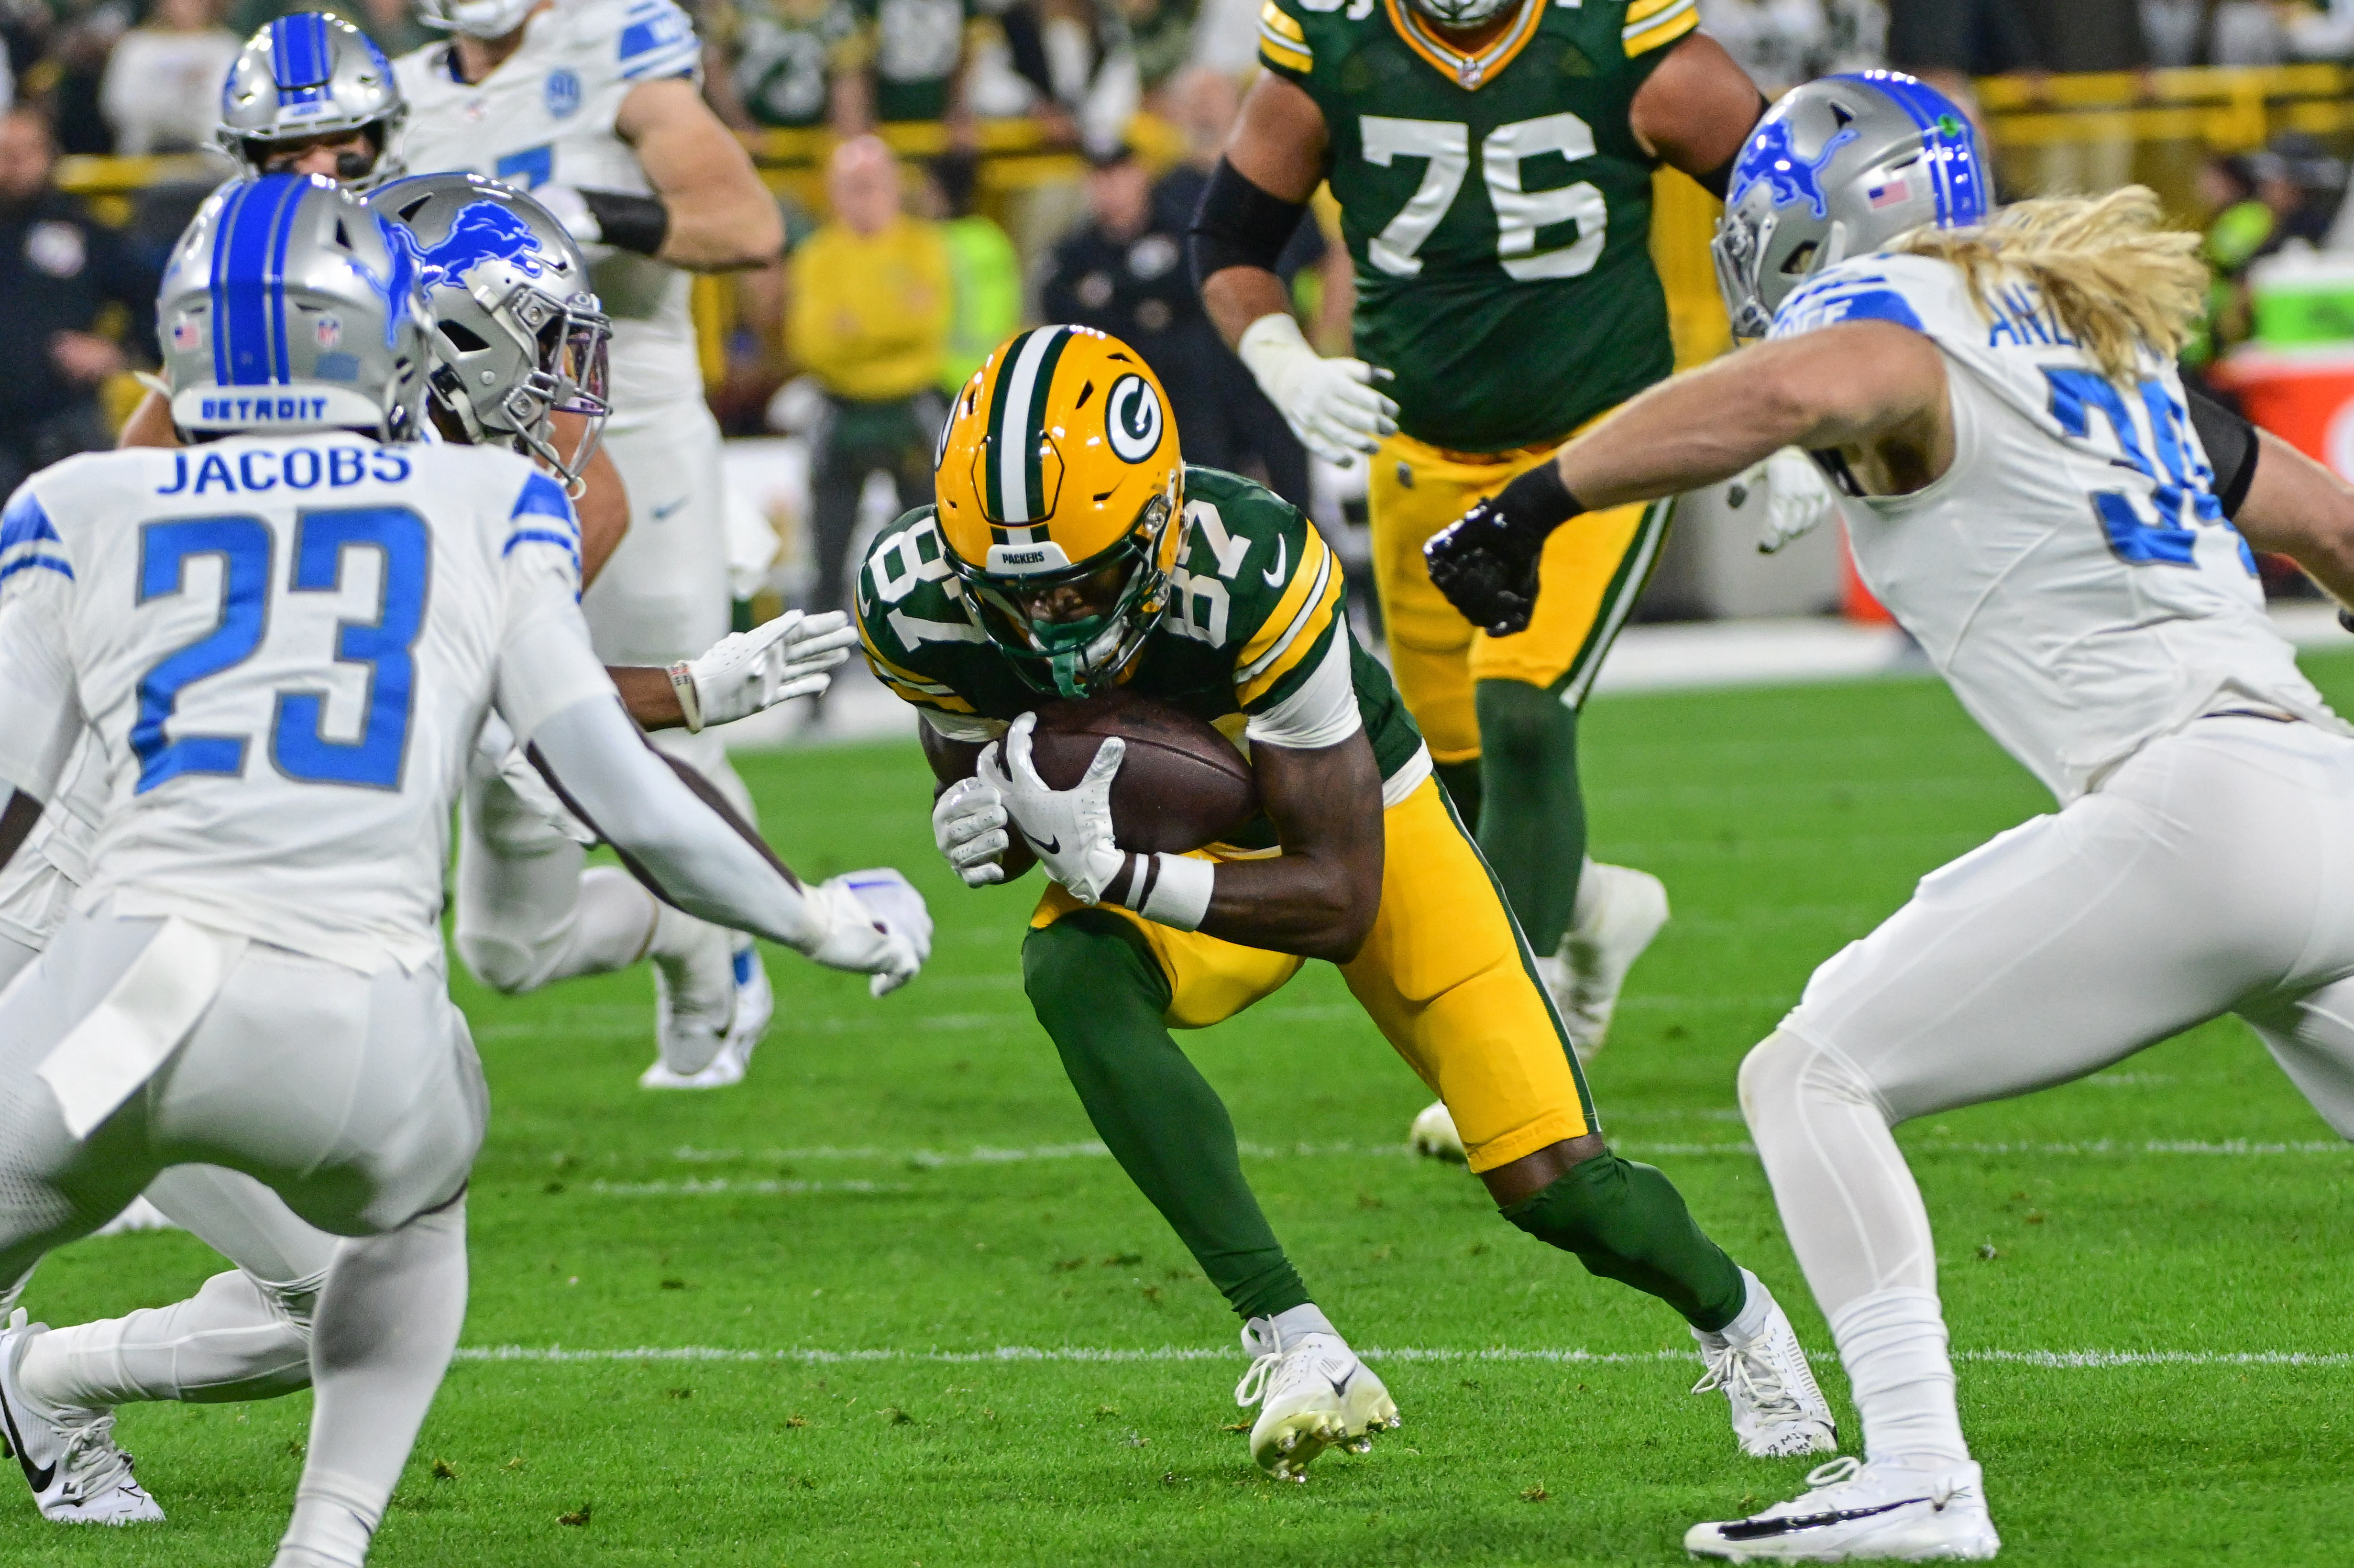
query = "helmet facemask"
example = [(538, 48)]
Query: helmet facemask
[(547, 356), (1086, 656), (1462, 12)]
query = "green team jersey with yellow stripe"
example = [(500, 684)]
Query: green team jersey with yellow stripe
[(1256, 638), (1498, 206)]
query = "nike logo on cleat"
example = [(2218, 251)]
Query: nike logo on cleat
[(40, 1478), (1789, 1524)]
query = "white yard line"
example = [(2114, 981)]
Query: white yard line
[(2064, 1361), (934, 1159)]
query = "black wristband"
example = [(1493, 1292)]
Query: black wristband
[(1537, 502), (1239, 225), (629, 222)]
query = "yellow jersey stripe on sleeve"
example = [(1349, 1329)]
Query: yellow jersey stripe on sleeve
[(1283, 56), (1666, 27), (1271, 16), (1644, 11), (1297, 591), (1321, 608), (908, 686)]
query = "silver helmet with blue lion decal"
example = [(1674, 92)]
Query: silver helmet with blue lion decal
[(518, 336), (1838, 168), (289, 306), (307, 77)]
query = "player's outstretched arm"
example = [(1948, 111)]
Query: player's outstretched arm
[(717, 215), (1872, 390), (2285, 503), (743, 673)]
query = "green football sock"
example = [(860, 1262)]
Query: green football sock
[(1531, 825), (1627, 1222), (1461, 782), (1100, 994)]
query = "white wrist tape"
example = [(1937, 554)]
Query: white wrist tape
[(1271, 344), (690, 701), (1171, 890)]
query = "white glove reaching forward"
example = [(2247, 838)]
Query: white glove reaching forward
[(876, 925), (1797, 497), (969, 825), (1070, 830), (745, 672), (1330, 404)]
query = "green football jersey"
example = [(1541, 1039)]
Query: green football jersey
[(1254, 603), (1498, 207)]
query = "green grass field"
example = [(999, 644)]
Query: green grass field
[(889, 1304)]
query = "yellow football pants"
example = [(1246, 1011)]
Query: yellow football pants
[(1588, 580), (1444, 977)]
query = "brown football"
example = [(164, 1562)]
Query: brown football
[(1181, 786)]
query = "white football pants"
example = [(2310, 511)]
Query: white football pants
[(357, 1098), (2213, 873)]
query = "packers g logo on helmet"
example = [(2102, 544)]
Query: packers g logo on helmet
[(1059, 467)]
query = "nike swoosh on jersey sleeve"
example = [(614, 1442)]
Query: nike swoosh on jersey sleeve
[(1296, 627)]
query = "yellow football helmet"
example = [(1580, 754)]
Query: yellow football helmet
[(1058, 469)]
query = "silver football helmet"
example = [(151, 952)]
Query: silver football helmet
[(517, 336), (476, 18), (308, 75), (287, 305), (1838, 168)]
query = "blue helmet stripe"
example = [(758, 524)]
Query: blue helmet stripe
[(1958, 166), (247, 289), (300, 50)]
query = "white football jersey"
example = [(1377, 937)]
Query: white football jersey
[(2072, 575), (281, 647), (545, 117)]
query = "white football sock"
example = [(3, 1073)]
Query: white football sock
[(231, 1340), (1892, 1343), (1756, 1311), (388, 1324)]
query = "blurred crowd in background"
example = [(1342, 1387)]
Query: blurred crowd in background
[(902, 267)]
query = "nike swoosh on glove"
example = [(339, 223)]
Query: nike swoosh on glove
[(969, 825), (1070, 830), (745, 672), (1487, 569)]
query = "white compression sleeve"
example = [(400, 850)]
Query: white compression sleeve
[(388, 1322), (231, 1341), (669, 833)]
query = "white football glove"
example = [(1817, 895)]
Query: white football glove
[(1330, 404), (866, 937), (1069, 830), (745, 672), (969, 825), (1797, 498)]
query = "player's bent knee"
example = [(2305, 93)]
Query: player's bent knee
[(1785, 1073), (507, 966), (1087, 969)]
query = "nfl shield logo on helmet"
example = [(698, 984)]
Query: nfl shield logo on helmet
[(328, 331)]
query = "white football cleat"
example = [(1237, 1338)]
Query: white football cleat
[(696, 995), (1778, 1412), (1313, 1394), (1857, 1512), (1584, 977), (1433, 1133), (69, 1456)]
